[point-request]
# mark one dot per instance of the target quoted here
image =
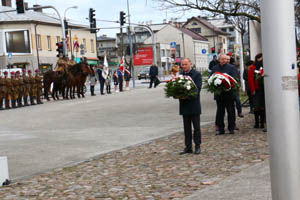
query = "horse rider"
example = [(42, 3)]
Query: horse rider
[(15, 88), (8, 91), (2, 91), (32, 90), (61, 65), (39, 85), (26, 87), (21, 89)]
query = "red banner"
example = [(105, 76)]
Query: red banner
[(144, 56)]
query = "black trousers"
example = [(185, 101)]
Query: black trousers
[(188, 120), (102, 82), (92, 88), (152, 80), (225, 101)]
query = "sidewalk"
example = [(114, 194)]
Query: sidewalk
[(155, 170)]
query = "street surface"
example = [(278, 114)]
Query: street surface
[(58, 133)]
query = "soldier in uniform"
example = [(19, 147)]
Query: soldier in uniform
[(2, 91), (39, 85), (8, 89), (20, 88), (26, 88), (61, 65), (32, 89), (14, 90)]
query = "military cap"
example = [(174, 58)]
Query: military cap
[(5, 73), (18, 72), (29, 71), (37, 71), (12, 73)]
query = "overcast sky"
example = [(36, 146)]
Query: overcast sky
[(140, 11)]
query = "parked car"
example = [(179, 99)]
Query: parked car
[(144, 73)]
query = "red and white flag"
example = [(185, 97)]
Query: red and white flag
[(122, 66)]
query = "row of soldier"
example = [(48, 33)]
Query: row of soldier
[(15, 91)]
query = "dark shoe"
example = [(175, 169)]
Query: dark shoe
[(240, 115), (220, 133), (236, 128), (185, 151), (197, 150), (265, 130), (231, 132), (262, 126), (256, 126)]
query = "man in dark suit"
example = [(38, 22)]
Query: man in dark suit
[(153, 72), (225, 99), (190, 109)]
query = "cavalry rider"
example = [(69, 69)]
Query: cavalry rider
[(39, 86), (26, 87), (2, 91), (61, 65), (20, 88)]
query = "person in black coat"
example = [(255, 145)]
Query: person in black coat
[(190, 109), (153, 72), (101, 79), (225, 99)]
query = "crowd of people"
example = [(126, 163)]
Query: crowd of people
[(20, 90), (106, 77)]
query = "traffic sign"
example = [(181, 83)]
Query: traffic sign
[(9, 55), (204, 51), (173, 44)]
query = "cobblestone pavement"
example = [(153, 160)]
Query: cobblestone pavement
[(152, 170)]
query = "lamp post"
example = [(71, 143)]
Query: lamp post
[(65, 20)]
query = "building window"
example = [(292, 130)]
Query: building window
[(49, 42), (57, 39), (197, 30), (224, 29), (92, 46), (224, 41), (231, 29), (194, 24), (84, 44), (38, 40), (17, 42)]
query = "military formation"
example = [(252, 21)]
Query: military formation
[(18, 91)]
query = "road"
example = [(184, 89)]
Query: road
[(58, 133)]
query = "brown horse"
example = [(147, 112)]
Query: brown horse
[(80, 72), (57, 79)]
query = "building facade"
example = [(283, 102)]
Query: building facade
[(216, 37), (29, 40)]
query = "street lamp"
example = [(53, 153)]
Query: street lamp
[(65, 22)]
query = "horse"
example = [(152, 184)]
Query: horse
[(80, 72), (57, 79)]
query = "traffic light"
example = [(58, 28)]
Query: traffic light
[(213, 50), (92, 20), (20, 6), (59, 49), (122, 18), (92, 15), (66, 27)]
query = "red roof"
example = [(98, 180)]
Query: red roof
[(193, 34)]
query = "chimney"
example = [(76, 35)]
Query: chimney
[(6, 3), (37, 9)]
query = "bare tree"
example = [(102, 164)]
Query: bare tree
[(227, 8)]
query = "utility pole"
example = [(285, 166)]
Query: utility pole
[(122, 22), (281, 91), (130, 46)]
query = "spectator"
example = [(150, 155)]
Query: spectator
[(101, 79), (213, 63), (257, 90), (127, 76), (120, 76), (245, 77), (153, 72), (108, 82), (116, 81), (93, 80), (175, 71)]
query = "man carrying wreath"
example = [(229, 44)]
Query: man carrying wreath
[(190, 109), (226, 98)]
